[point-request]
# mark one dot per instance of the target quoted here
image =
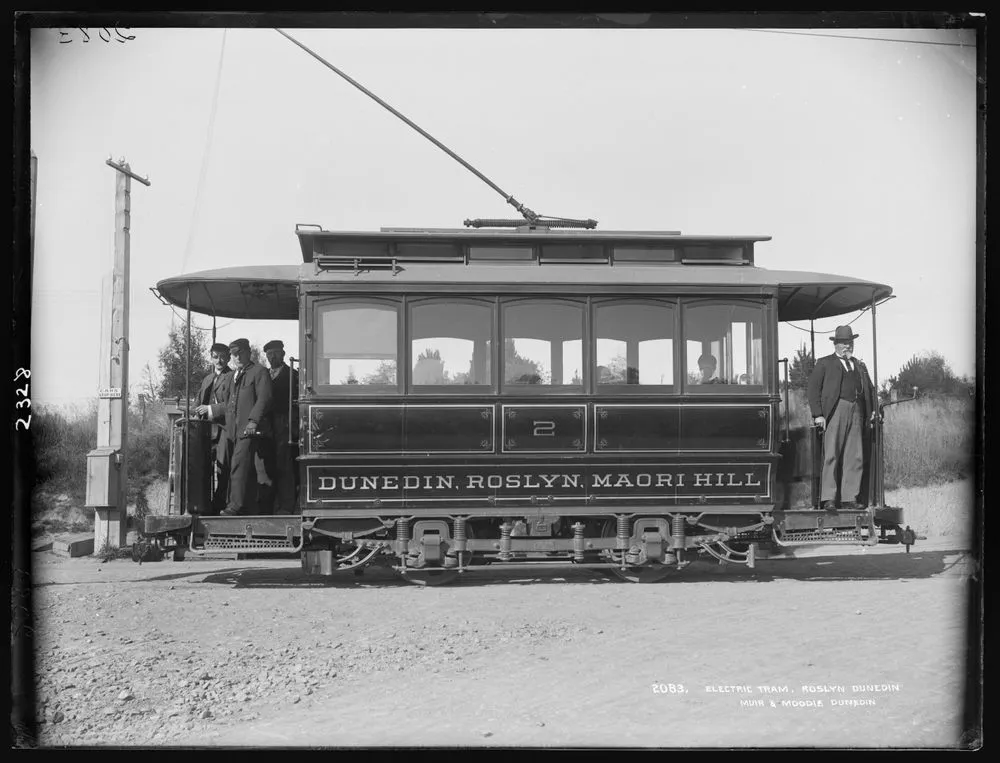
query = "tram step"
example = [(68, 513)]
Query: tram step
[(241, 545), (827, 537)]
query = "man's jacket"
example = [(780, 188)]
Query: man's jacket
[(825, 382), (280, 383), (250, 397), (214, 391)]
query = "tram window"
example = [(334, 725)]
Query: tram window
[(543, 343), (501, 253), (450, 343), (356, 345), (635, 344), (573, 253), (644, 254), (723, 345)]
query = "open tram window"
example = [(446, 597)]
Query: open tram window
[(451, 343), (357, 345), (723, 344), (634, 345), (543, 344)]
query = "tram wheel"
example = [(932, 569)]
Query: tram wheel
[(646, 573), (421, 577)]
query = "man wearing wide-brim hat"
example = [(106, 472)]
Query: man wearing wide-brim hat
[(841, 399)]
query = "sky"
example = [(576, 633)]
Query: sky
[(857, 156)]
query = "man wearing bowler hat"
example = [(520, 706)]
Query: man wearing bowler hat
[(248, 424), (841, 399), (285, 385)]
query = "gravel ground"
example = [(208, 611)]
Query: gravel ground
[(226, 653)]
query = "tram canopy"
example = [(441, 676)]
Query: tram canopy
[(252, 292), (271, 292)]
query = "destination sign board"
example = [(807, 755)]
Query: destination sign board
[(583, 482)]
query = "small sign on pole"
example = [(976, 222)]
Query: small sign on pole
[(109, 393)]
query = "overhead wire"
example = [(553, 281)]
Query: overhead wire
[(859, 37), (203, 172), (183, 320)]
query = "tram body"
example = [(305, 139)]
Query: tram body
[(534, 395)]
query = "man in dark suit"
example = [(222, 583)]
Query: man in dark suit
[(284, 383), (212, 396), (248, 425), (841, 399)]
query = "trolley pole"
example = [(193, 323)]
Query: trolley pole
[(107, 465)]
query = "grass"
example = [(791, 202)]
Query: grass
[(928, 441), (944, 509)]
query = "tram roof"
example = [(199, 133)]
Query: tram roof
[(271, 292)]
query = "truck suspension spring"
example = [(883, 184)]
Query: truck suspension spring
[(458, 547), (578, 542), (624, 533), (505, 554), (402, 537), (677, 534)]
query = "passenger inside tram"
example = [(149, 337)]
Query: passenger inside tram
[(707, 365)]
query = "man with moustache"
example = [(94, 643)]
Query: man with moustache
[(841, 399), (212, 396), (249, 427)]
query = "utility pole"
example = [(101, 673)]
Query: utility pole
[(107, 465)]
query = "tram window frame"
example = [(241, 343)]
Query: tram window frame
[(508, 388), (596, 388), (728, 388), (318, 358), (413, 303)]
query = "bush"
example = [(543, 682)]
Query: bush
[(63, 438), (61, 441)]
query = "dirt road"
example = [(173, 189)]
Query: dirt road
[(825, 649)]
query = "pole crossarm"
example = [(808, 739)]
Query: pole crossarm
[(124, 169)]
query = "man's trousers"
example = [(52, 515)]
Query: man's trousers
[(251, 487), (843, 456)]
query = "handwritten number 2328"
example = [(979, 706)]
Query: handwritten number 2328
[(25, 401), (104, 34)]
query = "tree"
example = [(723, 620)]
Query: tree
[(173, 361), (930, 374), (384, 373), (801, 368), (518, 367), (429, 368)]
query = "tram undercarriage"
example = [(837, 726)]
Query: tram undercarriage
[(435, 550)]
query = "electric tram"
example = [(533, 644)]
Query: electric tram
[(529, 391), (531, 395)]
